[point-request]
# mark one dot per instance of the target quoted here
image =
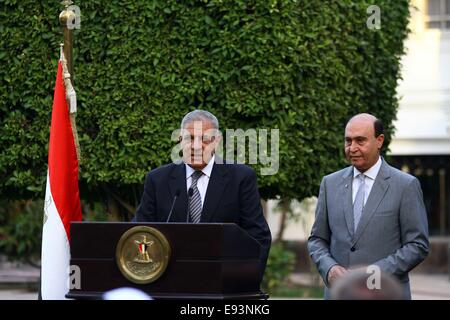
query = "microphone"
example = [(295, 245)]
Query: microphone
[(190, 192), (177, 193)]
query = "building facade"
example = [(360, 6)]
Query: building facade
[(421, 145)]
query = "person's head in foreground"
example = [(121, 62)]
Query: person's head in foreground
[(366, 284), (126, 294)]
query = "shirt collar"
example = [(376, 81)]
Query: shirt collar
[(372, 172), (206, 170)]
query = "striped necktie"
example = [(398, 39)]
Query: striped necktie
[(195, 202)]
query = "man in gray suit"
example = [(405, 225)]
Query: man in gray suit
[(369, 213)]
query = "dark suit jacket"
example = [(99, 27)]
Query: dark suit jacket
[(232, 196)]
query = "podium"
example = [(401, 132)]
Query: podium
[(205, 261)]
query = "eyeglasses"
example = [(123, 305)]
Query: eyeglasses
[(205, 139)]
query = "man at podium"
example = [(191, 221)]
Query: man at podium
[(204, 188)]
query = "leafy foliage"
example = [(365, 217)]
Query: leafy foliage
[(279, 266), (302, 66), (21, 230)]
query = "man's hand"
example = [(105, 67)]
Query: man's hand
[(335, 272)]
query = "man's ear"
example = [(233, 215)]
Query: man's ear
[(380, 140)]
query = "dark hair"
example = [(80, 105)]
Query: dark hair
[(378, 127), (377, 124)]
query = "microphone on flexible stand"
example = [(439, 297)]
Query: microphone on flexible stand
[(177, 193), (190, 192)]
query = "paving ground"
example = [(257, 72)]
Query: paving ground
[(430, 286), (18, 282), (17, 294), (423, 286)]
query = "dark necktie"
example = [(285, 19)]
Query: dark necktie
[(195, 203)]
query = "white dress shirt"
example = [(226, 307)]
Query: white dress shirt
[(202, 183), (370, 174)]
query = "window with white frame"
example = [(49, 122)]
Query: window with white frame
[(438, 14)]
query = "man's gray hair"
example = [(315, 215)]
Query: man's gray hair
[(199, 115)]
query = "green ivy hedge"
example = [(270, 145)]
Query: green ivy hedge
[(303, 67)]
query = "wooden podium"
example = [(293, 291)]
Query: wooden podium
[(207, 261)]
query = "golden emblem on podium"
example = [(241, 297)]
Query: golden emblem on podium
[(142, 254)]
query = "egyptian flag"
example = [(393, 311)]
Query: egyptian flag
[(62, 201)]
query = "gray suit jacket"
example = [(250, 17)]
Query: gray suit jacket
[(392, 233)]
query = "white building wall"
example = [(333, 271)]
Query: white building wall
[(423, 118), (297, 229)]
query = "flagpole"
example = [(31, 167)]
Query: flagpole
[(68, 19)]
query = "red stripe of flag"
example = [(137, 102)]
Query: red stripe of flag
[(62, 159)]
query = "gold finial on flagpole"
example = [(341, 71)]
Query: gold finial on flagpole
[(67, 18)]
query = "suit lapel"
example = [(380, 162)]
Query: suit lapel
[(346, 196), (178, 181), (214, 192), (379, 188)]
